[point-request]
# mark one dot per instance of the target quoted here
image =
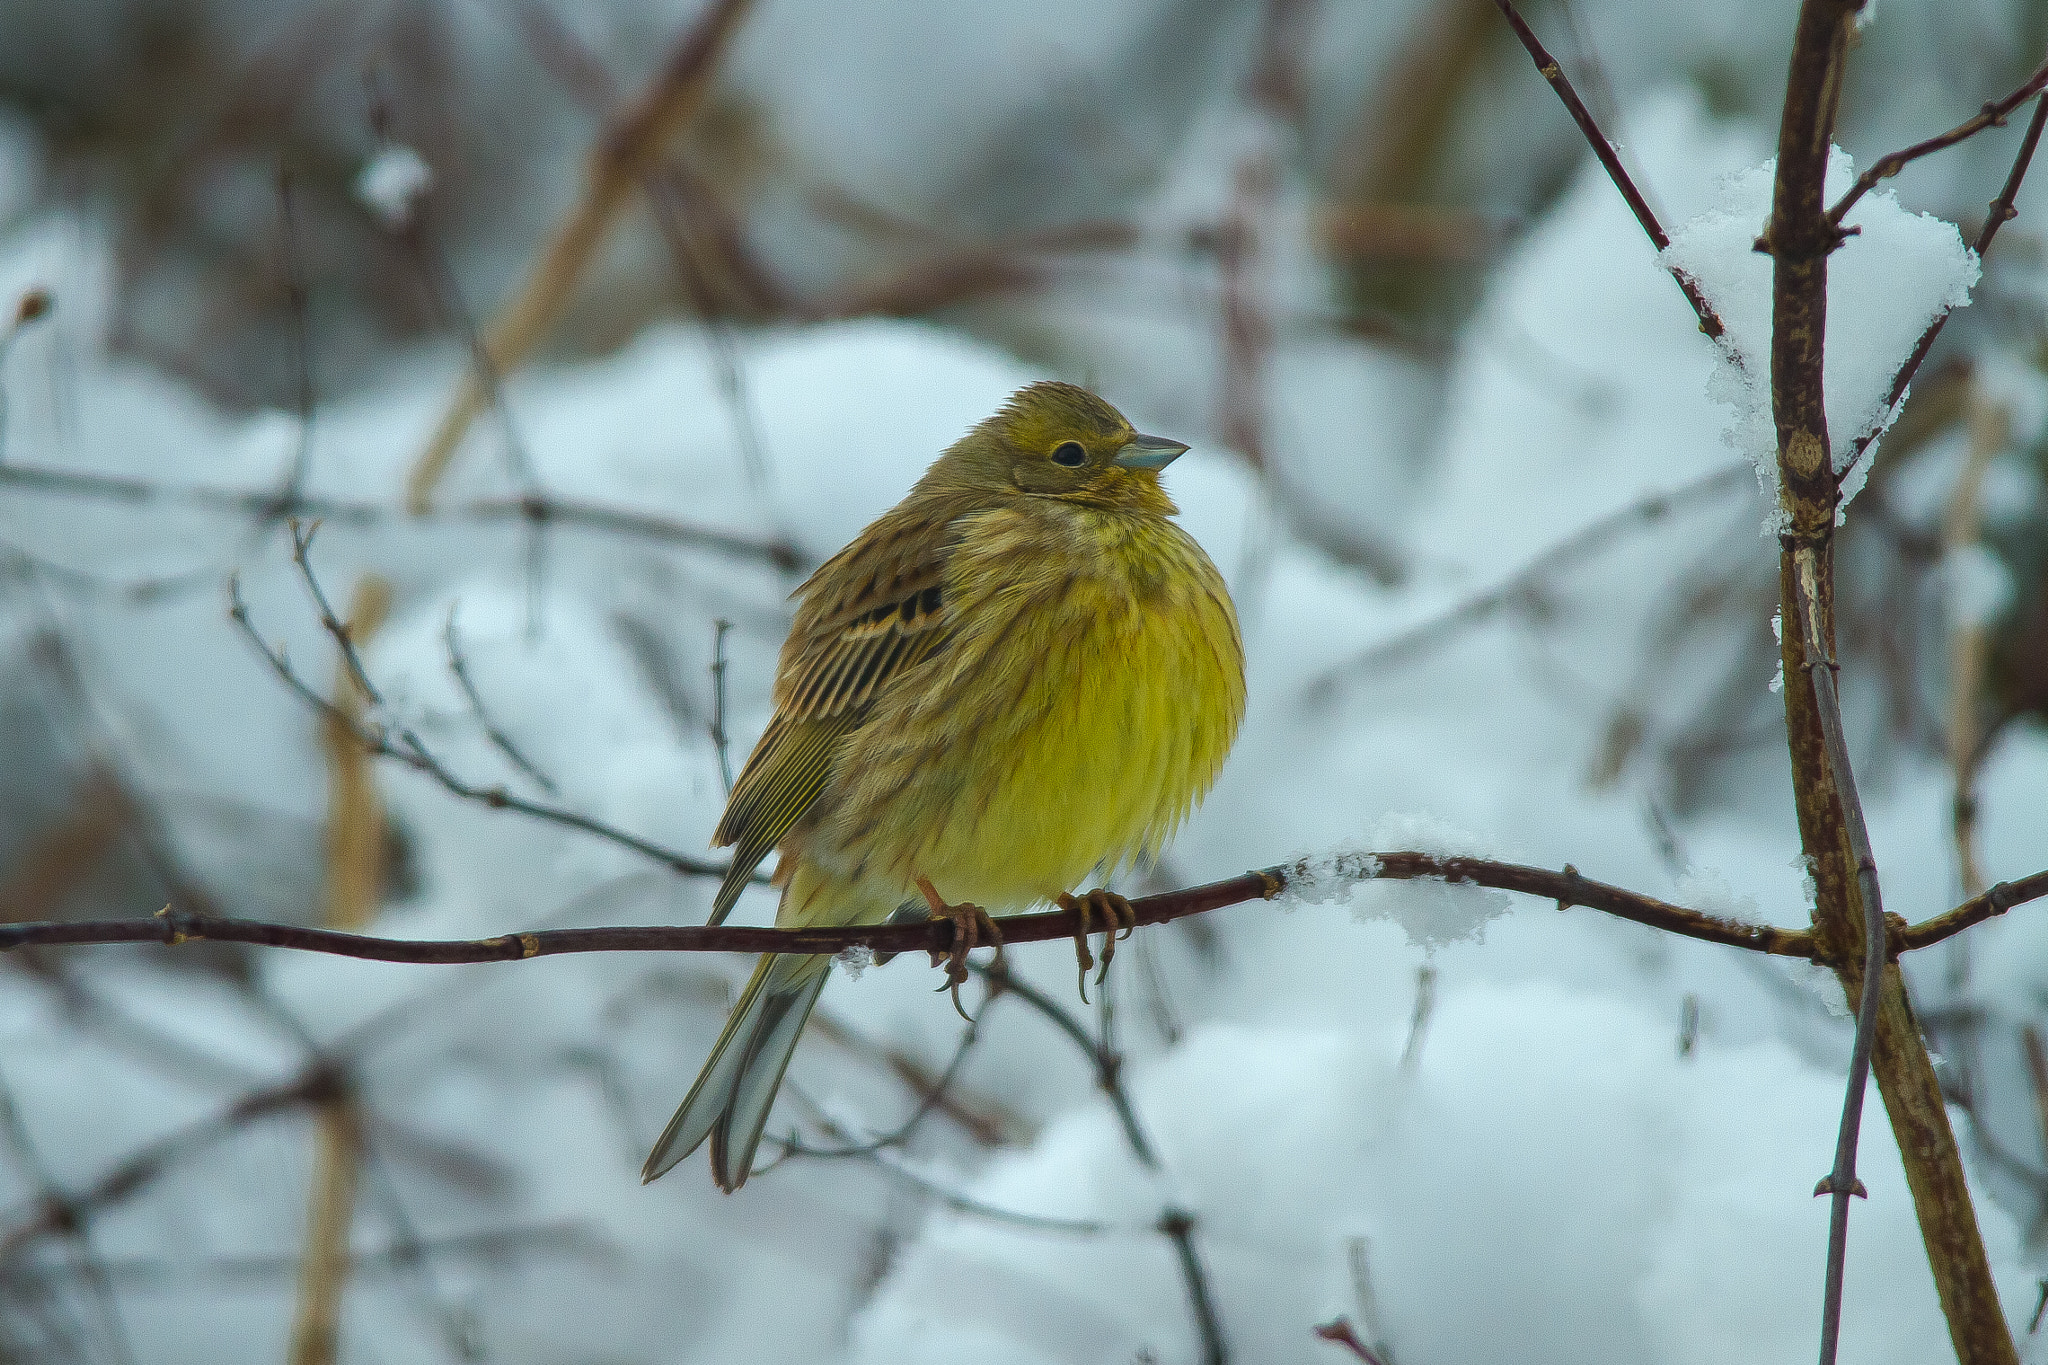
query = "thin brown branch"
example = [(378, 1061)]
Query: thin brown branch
[(1567, 888), (625, 152), (1992, 115), (1547, 66), (1526, 584), (1176, 1224), (458, 668), (1993, 902), (256, 504), (1841, 1183), (1341, 1333), (1990, 426)]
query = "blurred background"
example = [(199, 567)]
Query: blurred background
[(583, 331)]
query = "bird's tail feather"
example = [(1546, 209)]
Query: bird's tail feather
[(730, 1101)]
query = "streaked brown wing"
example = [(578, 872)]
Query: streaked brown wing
[(873, 612)]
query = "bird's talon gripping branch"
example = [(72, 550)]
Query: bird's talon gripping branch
[(971, 928), (1118, 920)]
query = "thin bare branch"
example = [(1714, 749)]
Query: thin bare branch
[(458, 667), (1841, 1182), (2002, 212), (258, 504), (1992, 115), (1526, 583), (1547, 66)]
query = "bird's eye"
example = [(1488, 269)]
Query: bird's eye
[(1069, 453)]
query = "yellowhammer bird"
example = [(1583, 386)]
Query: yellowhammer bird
[(1020, 673)]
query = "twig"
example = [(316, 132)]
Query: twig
[(402, 743), (401, 1258), (932, 1101), (1176, 1224), (255, 503), (1547, 66), (1993, 114), (1841, 1182), (2002, 212), (458, 667), (1418, 1023), (622, 154), (32, 307), (1341, 1333), (719, 742), (1525, 583)]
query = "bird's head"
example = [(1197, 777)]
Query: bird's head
[(1061, 441)]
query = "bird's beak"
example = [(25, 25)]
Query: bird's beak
[(1149, 452)]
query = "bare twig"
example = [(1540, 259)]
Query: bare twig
[(1526, 583), (458, 667), (1547, 66), (547, 508), (1341, 1333), (1176, 1224), (2002, 212), (1841, 1182), (719, 630), (1993, 114)]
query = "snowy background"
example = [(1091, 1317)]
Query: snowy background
[(1435, 381)]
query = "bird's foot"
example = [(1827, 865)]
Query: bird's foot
[(1117, 915), (972, 927)]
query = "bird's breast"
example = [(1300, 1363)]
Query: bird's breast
[(1091, 687)]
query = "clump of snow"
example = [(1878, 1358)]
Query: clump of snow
[(1705, 890), (1889, 281), (855, 959), (1432, 912), (392, 183)]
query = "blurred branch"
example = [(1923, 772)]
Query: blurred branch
[(1990, 427), (1176, 1224), (1341, 1333), (1547, 66), (458, 668), (1525, 584), (625, 152), (1993, 114), (544, 509), (1567, 888)]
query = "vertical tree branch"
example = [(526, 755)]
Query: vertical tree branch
[(1799, 238)]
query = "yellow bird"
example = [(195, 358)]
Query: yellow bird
[(1021, 673)]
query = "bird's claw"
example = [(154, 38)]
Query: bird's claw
[(1118, 920), (972, 927)]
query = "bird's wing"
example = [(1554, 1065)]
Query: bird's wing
[(873, 612)]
